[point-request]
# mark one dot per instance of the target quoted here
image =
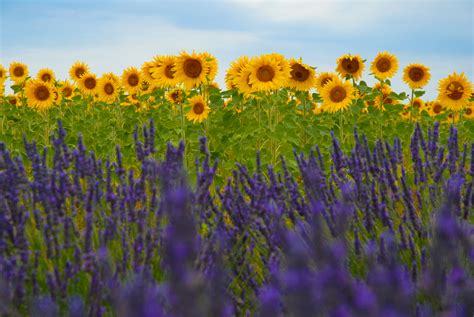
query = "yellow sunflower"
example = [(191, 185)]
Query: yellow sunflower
[(163, 72), (416, 75), (145, 87), (66, 89), (469, 111), (268, 72), (175, 96), (242, 81), (418, 104), (40, 95), (384, 66), (3, 74), (2, 88), (384, 99), (46, 75), (18, 72), (108, 89), (337, 95), (350, 65), (317, 108), (112, 77), (131, 80), (323, 79), (234, 71), (146, 71), (199, 109), (77, 70), (454, 91), (212, 66), (436, 108), (302, 76), (88, 84), (14, 100), (191, 69)]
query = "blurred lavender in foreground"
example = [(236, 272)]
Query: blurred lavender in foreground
[(367, 234)]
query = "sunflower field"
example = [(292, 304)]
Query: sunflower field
[(290, 192)]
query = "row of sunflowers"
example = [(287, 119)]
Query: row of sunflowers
[(187, 77)]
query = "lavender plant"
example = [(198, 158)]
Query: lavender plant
[(369, 233)]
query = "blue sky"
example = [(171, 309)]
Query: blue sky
[(111, 35)]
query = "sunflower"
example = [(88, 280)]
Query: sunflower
[(108, 89), (145, 87), (416, 75), (66, 89), (77, 70), (436, 108), (175, 96), (323, 79), (2, 88), (469, 111), (191, 69), (337, 95), (131, 80), (18, 72), (3, 74), (146, 71), (242, 82), (384, 66), (268, 72), (350, 65), (46, 75), (454, 91), (384, 98), (88, 84), (199, 109), (317, 108), (236, 67), (212, 66), (40, 95), (163, 72), (418, 104), (13, 100), (112, 77), (302, 76)]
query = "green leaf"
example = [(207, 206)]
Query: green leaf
[(419, 93)]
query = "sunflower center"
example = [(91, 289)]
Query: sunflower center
[(13, 101), (18, 71), (416, 74), (67, 92), (169, 71), (133, 80), (337, 94), (383, 65), (455, 90), (350, 65), (90, 83), (437, 108), (79, 72), (468, 111), (198, 108), (42, 93), (299, 73), (416, 104), (388, 100), (1, 74), (192, 68), (109, 89), (265, 73), (175, 96), (46, 77)]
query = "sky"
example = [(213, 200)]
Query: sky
[(111, 35)]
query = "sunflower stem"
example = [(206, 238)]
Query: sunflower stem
[(183, 133), (411, 104)]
